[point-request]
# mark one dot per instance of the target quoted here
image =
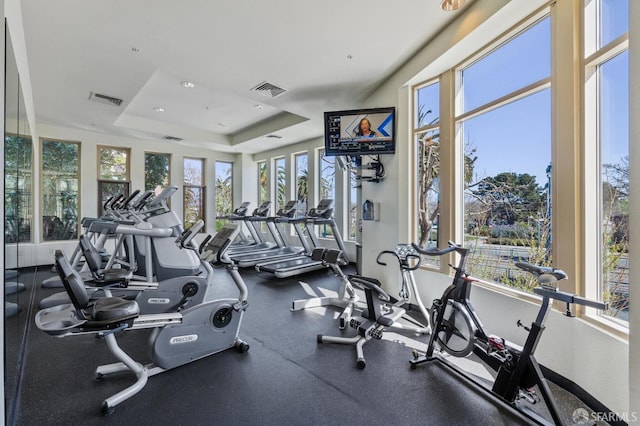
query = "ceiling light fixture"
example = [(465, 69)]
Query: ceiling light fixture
[(135, 49), (450, 5), (158, 109), (187, 84), (258, 106)]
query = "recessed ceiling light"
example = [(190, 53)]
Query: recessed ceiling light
[(349, 57), (187, 84), (258, 106), (158, 109)]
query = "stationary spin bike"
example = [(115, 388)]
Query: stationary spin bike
[(177, 338), (458, 331)]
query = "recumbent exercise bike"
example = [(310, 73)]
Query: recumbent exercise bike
[(177, 339)]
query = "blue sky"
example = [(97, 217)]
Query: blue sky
[(517, 137)]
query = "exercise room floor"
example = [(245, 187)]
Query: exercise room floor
[(286, 378)]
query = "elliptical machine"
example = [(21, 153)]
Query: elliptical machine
[(177, 338), (170, 295)]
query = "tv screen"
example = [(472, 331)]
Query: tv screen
[(360, 132)]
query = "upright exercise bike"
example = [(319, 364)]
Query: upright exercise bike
[(382, 312), (177, 338), (458, 331)]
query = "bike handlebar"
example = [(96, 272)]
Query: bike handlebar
[(569, 298), (437, 252), (403, 260)]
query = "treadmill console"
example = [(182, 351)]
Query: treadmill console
[(324, 209), (263, 210), (242, 210), (289, 210)]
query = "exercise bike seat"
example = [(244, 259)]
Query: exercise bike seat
[(546, 275), (107, 309), (104, 314)]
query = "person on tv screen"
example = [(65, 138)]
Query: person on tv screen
[(364, 129)]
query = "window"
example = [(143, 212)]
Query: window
[(607, 132), (280, 183), (507, 157), (263, 189), (427, 155), (60, 190), (354, 184), (18, 171), (224, 191), (194, 191), (156, 171), (113, 179), (327, 185), (301, 175)]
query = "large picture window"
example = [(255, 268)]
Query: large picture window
[(113, 178), (607, 133), (194, 191), (60, 189), (427, 155), (507, 157)]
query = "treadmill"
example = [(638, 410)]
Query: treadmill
[(238, 215), (283, 216), (320, 215), (261, 214)]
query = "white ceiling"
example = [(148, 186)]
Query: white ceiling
[(327, 54)]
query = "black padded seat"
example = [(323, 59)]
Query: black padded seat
[(105, 311), (114, 308)]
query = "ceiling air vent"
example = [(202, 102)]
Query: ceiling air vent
[(267, 89), (105, 99), (172, 138)]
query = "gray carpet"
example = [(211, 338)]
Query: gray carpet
[(286, 378)]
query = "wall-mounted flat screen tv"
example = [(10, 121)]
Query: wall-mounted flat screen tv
[(360, 132)]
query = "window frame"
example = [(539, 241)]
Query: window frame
[(220, 222), (126, 183), (202, 187), (593, 57)]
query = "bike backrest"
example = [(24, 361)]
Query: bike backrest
[(91, 254), (73, 283)]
